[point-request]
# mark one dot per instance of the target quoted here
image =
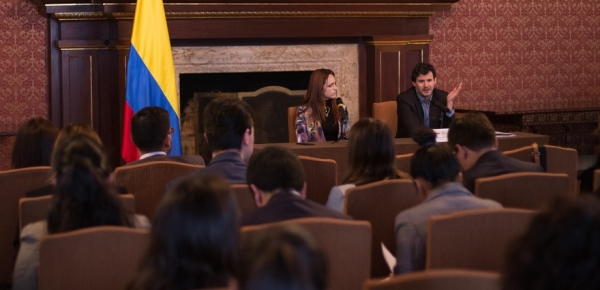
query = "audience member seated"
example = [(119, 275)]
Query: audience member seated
[(436, 174), (194, 238), (151, 133), (33, 144), (560, 249), (229, 130), (64, 134), (276, 179), (282, 257), (322, 115), (83, 198), (371, 157), (473, 138)]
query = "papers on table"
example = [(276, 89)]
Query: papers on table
[(442, 135), (504, 134)]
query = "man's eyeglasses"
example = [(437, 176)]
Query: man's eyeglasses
[(171, 131)]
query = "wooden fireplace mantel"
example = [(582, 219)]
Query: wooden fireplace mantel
[(88, 44)]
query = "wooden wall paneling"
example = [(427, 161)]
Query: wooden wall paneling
[(109, 103), (79, 86), (123, 55), (390, 60), (54, 73), (388, 82), (363, 75), (294, 28), (411, 55)]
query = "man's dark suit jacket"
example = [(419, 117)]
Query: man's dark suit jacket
[(189, 159), (410, 112), (285, 206), (228, 165), (494, 163)]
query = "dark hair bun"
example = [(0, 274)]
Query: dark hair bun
[(424, 137)]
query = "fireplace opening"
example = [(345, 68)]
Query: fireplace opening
[(269, 94)]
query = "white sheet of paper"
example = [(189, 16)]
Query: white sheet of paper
[(441, 135), (390, 259), (504, 134)]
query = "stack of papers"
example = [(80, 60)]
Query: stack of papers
[(442, 135)]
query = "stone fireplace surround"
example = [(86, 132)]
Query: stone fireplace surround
[(341, 58)]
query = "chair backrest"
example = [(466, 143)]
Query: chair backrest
[(147, 182), (474, 239), (105, 257), (33, 209), (291, 113), (403, 162), (379, 203), (553, 158), (244, 198), (15, 183), (596, 179), (386, 111), (346, 244), (439, 280), (528, 190), (321, 176)]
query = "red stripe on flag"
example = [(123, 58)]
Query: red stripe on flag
[(129, 151)]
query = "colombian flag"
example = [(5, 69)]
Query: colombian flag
[(150, 73)]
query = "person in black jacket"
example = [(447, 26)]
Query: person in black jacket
[(424, 106), (276, 179)]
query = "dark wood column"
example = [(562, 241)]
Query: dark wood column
[(390, 60), (88, 45)]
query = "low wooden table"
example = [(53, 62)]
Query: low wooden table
[(338, 151)]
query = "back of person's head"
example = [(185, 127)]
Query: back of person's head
[(473, 130), (225, 122), (149, 128), (74, 129), (559, 250), (422, 68), (282, 257), (435, 164), (83, 197), (34, 143), (194, 238), (275, 168), (371, 154)]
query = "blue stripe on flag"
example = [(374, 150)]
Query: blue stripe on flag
[(143, 91)]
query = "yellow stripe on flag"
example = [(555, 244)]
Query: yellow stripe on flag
[(150, 37)]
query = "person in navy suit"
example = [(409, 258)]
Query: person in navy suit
[(424, 106), (276, 179), (151, 133), (473, 138), (229, 130)]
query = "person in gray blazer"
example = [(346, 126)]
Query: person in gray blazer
[(229, 131), (436, 174)]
